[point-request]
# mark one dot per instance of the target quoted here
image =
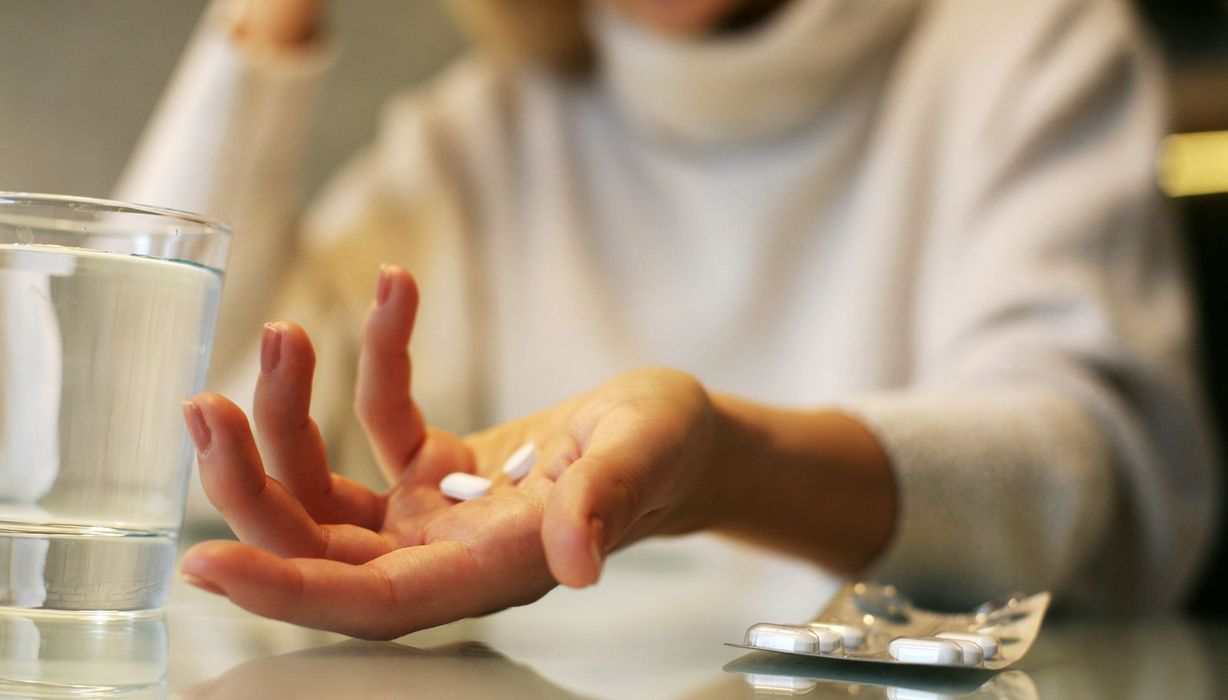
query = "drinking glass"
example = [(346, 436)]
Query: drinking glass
[(107, 313)]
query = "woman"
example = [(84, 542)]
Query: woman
[(923, 234)]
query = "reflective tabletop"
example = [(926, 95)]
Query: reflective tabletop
[(655, 627)]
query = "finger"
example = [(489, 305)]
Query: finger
[(290, 440), (564, 450), (591, 507), (258, 508), (441, 454), (353, 544), (383, 399), (312, 592), (573, 536), (560, 453), (406, 590)]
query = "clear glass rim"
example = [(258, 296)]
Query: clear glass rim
[(206, 226)]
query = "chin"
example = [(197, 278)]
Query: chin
[(679, 17)]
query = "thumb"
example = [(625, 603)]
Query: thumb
[(589, 511)]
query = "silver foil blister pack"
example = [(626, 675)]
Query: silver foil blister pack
[(873, 622)]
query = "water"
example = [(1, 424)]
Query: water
[(97, 351), (58, 655), (60, 566)]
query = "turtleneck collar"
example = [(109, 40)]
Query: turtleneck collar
[(741, 87)]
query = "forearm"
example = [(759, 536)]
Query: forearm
[(227, 141), (228, 135), (813, 483)]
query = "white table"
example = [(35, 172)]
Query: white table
[(654, 628)]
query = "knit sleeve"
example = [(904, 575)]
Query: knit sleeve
[(1053, 436), (227, 140)]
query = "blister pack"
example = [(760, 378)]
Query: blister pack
[(873, 622)]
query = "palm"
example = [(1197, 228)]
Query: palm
[(501, 530)]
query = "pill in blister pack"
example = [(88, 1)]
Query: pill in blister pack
[(932, 651), (793, 638), (872, 622), (987, 643), (851, 637), (924, 650)]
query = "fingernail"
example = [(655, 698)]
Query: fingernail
[(384, 289), (197, 428), (270, 348), (597, 543), (202, 584)]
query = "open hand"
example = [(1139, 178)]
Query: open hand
[(317, 549)]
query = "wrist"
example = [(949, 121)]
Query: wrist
[(812, 483), (735, 447)]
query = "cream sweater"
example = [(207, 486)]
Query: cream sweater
[(937, 216)]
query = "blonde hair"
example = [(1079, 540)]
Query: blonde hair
[(549, 33)]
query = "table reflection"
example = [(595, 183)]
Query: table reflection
[(1162, 657), (54, 654), (565, 648), (354, 669), (785, 674), (1073, 658)]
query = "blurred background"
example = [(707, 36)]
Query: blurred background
[(81, 77)]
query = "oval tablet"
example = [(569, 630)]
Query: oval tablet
[(926, 650), (464, 486), (987, 642), (852, 637), (829, 642), (973, 656), (521, 461), (788, 638)]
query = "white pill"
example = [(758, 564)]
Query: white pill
[(852, 637), (464, 486), (521, 461), (829, 642), (987, 642), (973, 656), (782, 638), (790, 638), (926, 650)]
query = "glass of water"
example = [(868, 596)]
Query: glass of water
[(107, 312)]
